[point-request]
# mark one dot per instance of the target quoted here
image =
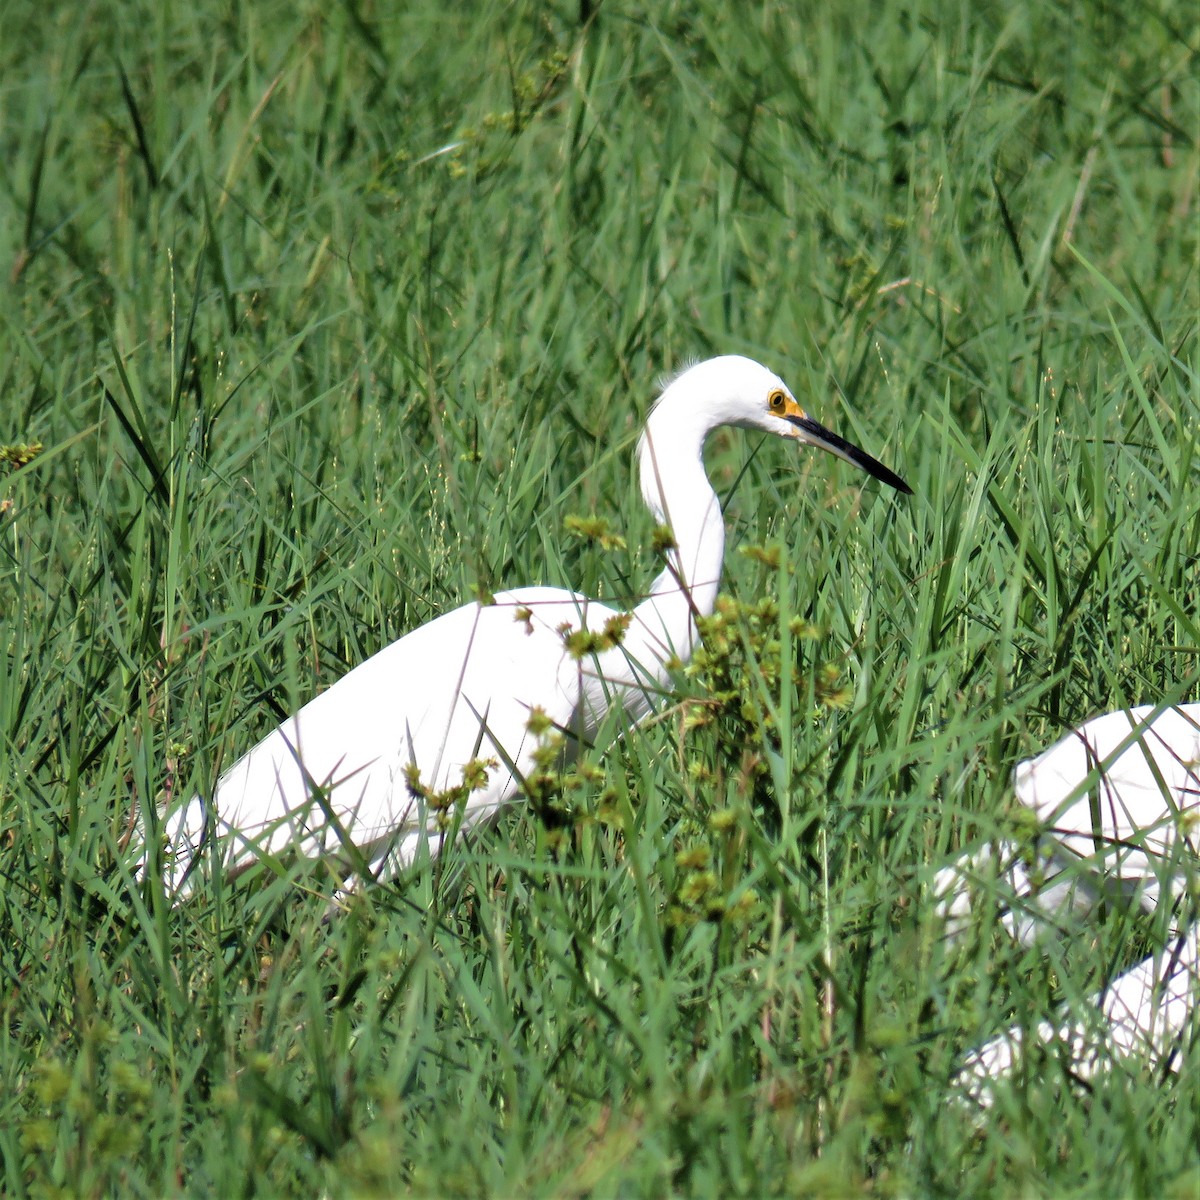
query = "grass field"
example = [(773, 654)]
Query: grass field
[(319, 320)]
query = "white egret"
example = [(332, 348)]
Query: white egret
[(1144, 1013), (1119, 803), (437, 731)]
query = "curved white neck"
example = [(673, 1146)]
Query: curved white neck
[(677, 490)]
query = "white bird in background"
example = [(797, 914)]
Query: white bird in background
[(437, 731), (1119, 799), (1144, 1014)]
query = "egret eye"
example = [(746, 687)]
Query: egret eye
[(777, 402)]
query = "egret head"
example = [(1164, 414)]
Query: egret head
[(732, 390)]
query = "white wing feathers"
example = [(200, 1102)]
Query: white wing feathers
[(455, 692), (1118, 801)]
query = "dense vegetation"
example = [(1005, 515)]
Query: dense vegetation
[(318, 320)]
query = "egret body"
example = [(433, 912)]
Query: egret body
[(1119, 801), (449, 716), (1144, 1014)]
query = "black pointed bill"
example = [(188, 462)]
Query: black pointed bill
[(817, 435)]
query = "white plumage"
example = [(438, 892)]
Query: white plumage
[(452, 713), (1118, 802), (1144, 1014)]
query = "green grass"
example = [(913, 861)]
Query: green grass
[(326, 318)]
